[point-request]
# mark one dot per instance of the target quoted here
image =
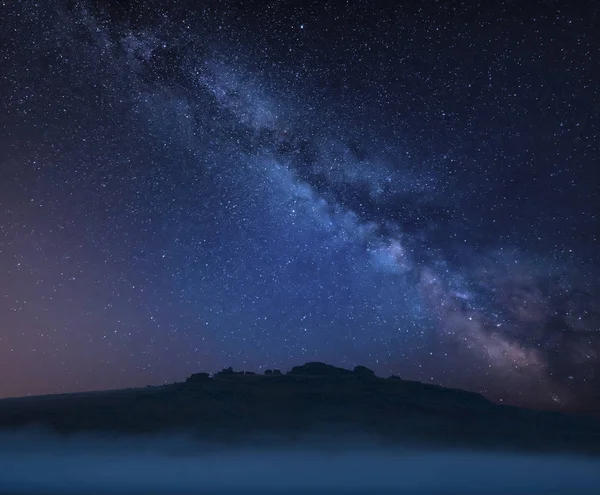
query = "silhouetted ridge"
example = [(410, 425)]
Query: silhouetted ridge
[(312, 398)]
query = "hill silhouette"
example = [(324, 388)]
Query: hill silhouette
[(312, 399)]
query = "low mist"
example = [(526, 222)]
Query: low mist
[(39, 462)]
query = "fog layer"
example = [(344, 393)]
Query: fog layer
[(32, 462)]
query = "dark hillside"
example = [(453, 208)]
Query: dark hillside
[(311, 399)]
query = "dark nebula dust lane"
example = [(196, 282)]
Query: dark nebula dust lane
[(194, 186)]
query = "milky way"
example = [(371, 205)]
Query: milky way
[(194, 187)]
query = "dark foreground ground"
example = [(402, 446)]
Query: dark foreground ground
[(314, 401)]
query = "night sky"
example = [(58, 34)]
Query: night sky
[(414, 187)]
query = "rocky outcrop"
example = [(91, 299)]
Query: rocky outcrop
[(318, 369), (198, 378)]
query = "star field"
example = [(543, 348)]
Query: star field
[(409, 187)]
